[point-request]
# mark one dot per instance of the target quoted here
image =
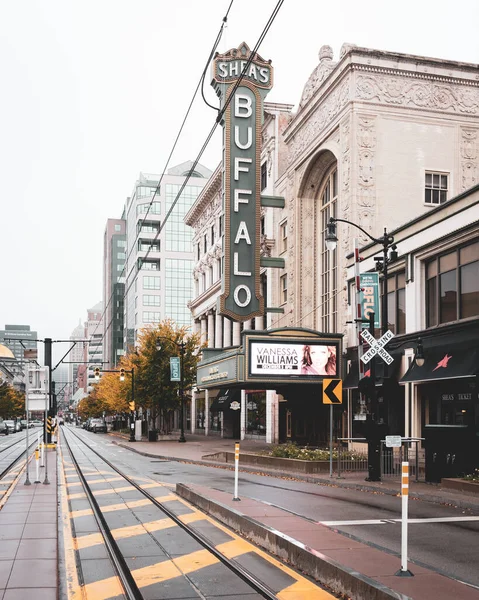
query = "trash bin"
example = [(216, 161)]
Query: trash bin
[(152, 435)]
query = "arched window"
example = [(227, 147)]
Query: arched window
[(328, 197)]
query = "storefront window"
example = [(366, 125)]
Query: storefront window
[(200, 413), (256, 412), (359, 409), (215, 420), (451, 404), (452, 285)]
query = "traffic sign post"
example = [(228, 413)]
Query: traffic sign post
[(332, 394)]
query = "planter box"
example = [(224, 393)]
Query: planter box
[(273, 462), (461, 485)]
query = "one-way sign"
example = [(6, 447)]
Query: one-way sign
[(332, 391)]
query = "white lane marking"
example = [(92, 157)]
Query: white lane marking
[(386, 521)]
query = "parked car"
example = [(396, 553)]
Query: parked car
[(11, 425), (3, 427), (36, 423), (97, 425), (23, 423)]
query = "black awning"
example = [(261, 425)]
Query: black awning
[(445, 361), (224, 399), (352, 378)]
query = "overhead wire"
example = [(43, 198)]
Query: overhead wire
[(158, 187), (221, 113)]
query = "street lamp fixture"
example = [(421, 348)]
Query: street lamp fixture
[(419, 355), (389, 254), (181, 346)]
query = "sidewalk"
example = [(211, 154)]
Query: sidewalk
[(28, 534), (198, 447)]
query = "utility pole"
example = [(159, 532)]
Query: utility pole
[(48, 413)]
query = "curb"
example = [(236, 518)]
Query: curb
[(432, 498), (337, 577)]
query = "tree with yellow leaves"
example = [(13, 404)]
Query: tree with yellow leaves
[(150, 361)]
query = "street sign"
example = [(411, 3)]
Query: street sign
[(393, 441), (332, 391), (175, 368), (36, 402), (377, 347)]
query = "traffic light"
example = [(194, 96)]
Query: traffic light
[(122, 375), (131, 405), (97, 373)]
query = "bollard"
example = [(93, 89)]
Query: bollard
[(37, 465), (237, 446), (46, 481), (403, 571), (42, 464)]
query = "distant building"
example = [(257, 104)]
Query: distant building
[(76, 357), (94, 334), (114, 258), (19, 338), (160, 260)]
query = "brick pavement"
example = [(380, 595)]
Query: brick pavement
[(28, 536)]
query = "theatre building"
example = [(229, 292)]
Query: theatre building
[(380, 140), (433, 300)]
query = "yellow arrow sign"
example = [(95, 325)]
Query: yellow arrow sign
[(332, 391)]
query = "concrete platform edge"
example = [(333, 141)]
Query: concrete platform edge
[(339, 578), (337, 482)]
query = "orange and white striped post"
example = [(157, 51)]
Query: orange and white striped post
[(237, 448), (37, 465), (404, 571)]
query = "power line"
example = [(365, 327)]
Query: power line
[(203, 148), (158, 187)]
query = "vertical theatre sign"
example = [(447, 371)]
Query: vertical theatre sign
[(241, 297)]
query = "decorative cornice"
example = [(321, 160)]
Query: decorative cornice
[(415, 74), (212, 188)]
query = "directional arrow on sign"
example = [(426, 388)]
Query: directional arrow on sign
[(332, 391)]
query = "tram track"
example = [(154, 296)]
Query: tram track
[(17, 457), (130, 586)]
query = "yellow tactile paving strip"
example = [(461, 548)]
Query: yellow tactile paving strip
[(166, 570)]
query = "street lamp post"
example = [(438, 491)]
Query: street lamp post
[(389, 254), (132, 401), (181, 346)]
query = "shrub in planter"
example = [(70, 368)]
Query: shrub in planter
[(474, 477), (292, 450)]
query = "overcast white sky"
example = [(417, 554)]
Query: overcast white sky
[(94, 91)]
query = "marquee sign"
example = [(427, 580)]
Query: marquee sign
[(241, 297), (284, 358)]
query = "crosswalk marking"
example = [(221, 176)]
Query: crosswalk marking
[(389, 521)]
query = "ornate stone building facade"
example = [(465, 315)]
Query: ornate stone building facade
[(378, 139), (374, 132)]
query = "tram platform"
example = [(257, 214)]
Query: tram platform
[(29, 536), (339, 562)]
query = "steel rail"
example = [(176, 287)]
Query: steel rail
[(2, 449), (237, 569), (128, 582), (16, 460)]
